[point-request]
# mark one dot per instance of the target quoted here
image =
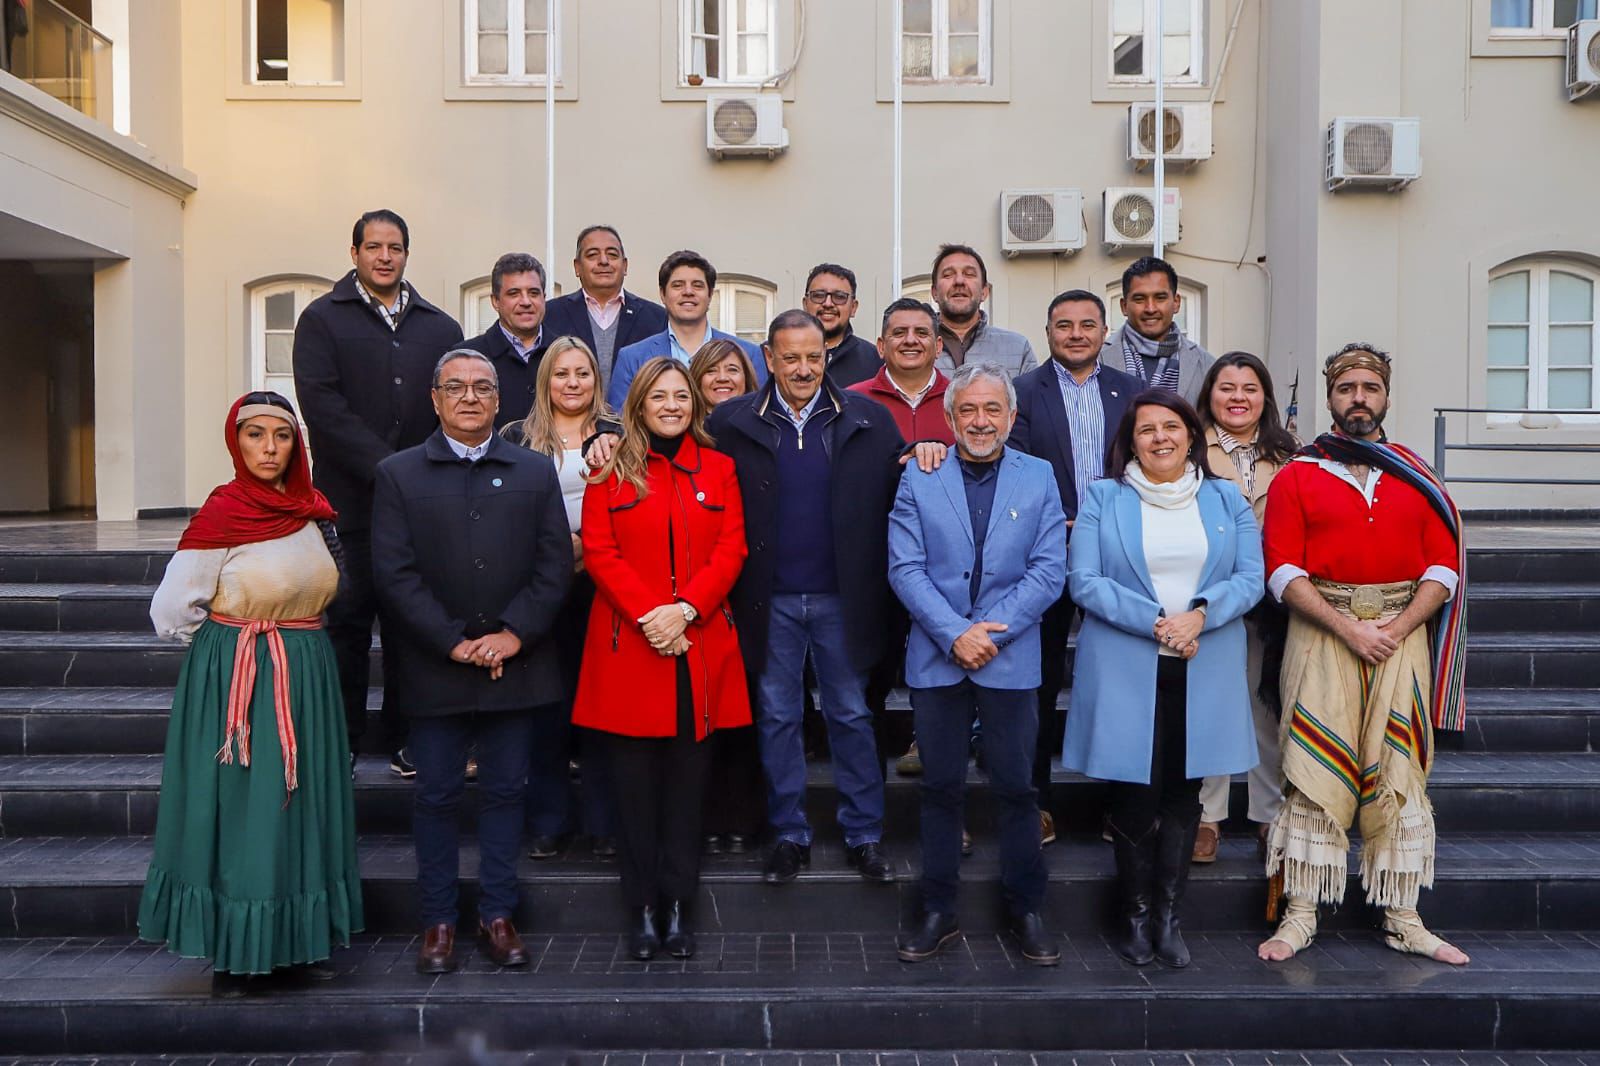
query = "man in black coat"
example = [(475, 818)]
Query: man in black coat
[(363, 356), (515, 343), (1067, 413), (601, 313), (818, 470), (831, 296), (472, 558)]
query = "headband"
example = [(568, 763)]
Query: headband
[(254, 410), (1356, 359)]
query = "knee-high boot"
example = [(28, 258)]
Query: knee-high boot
[(1174, 847), (1135, 876)]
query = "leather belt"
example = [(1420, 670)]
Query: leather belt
[(1367, 602)]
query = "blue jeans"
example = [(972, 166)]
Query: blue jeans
[(439, 749), (1010, 720), (549, 777), (816, 621)]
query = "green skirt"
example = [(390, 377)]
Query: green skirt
[(244, 873)]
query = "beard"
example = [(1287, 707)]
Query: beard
[(1359, 422)]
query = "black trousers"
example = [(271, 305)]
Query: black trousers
[(349, 627), (1054, 628), (736, 789), (1170, 795), (660, 789)]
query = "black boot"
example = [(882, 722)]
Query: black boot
[(679, 941), (1174, 848), (1135, 873), (643, 940)]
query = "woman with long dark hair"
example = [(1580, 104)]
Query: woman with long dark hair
[(1165, 559)]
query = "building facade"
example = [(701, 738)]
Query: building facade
[(160, 237)]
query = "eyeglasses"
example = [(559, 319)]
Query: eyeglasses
[(457, 389), (821, 296)]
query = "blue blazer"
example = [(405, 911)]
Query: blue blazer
[(636, 355), (1024, 566), (1112, 721)]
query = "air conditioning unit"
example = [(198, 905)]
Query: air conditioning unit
[(1583, 58), (1386, 152), (746, 124), (1130, 216), (1041, 220), (1186, 132)]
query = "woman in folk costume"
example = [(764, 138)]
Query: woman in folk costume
[(255, 860)]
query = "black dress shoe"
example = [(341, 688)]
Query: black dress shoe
[(605, 847), (928, 939), (1038, 946), (712, 845), (229, 985), (643, 940), (872, 863), (678, 941), (735, 843), (544, 846), (400, 763), (305, 975), (785, 862)]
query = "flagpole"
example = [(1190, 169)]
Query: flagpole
[(1157, 39), (896, 273), (549, 136)]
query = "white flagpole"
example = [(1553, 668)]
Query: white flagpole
[(549, 136), (896, 274), (1155, 41)]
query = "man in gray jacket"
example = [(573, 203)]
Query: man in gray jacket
[(960, 288), (1149, 345)]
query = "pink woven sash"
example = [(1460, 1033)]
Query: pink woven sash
[(237, 735)]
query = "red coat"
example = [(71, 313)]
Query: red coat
[(693, 510)]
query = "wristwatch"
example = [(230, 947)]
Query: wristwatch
[(689, 613)]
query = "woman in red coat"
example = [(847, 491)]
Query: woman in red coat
[(663, 538)]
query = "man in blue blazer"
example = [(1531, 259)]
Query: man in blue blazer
[(688, 285), (602, 314), (1067, 412), (977, 555)]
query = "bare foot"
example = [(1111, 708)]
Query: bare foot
[(1451, 954), (1276, 950)]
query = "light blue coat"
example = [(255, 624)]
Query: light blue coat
[(1112, 719), (1024, 567)]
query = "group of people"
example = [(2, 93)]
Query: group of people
[(604, 534)]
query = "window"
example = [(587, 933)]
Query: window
[(728, 42), (506, 41), (478, 314), (945, 40), (1191, 316), (1542, 337), (1538, 18), (275, 307), (297, 42), (742, 308), (918, 288), (1180, 46)]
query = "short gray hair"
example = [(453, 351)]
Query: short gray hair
[(463, 353), (968, 373)]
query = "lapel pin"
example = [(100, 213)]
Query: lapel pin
[(1115, 393), (1013, 514), (495, 482), (700, 496)]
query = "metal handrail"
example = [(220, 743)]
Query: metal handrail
[(1442, 446)]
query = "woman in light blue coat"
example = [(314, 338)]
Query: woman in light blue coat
[(1165, 559)]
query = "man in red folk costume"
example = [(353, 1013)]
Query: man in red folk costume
[(1364, 547)]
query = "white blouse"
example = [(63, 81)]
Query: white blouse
[(291, 577), (1175, 553), (572, 486)]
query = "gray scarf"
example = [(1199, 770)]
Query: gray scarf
[(1136, 347)]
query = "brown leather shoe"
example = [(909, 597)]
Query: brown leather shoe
[(438, 952), (499, 941), (1047, 828), (1205, 842)]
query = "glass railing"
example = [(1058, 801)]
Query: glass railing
[(63, 55)]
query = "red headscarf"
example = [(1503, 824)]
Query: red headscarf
[(247, 509)]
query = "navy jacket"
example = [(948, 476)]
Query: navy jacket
[(567, 316), (517, 379), (364, 389), (863, 447), (1042, 428), (461, 550), (856, 359)]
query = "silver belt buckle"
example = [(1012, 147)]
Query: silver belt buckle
[(1366, 602)]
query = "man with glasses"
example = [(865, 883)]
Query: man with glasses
[(831, 297), (362, 358), (472, 558)]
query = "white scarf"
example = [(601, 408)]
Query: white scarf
[(1169, 495)]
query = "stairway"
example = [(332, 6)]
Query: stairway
[(84, 690)]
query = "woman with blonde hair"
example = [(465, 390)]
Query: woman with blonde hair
[(663, 537), (567, 406)]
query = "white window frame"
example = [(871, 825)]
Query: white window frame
[(724, 304), (941, 46), (1192, 311), (1544, 18), (306, 288), (727, 41), (516, 45), (251, 62), (1197, 52), (918, 287), (1538, 322)]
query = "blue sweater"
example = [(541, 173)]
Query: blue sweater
[(804, 559)]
